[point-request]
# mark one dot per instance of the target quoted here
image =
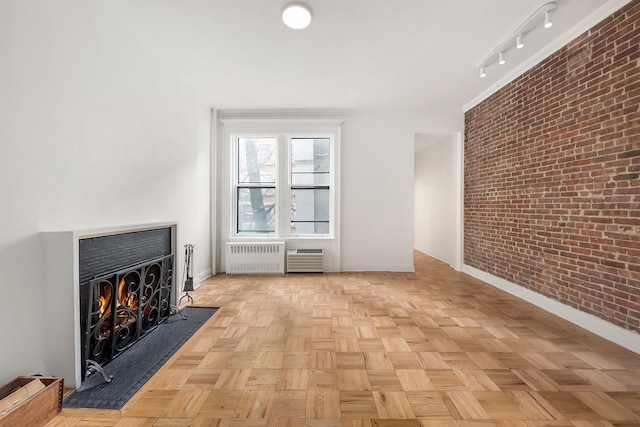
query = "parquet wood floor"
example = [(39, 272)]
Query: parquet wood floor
[(431, 348)]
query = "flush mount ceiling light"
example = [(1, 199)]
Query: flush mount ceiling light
[(541, 17), (296, 16)]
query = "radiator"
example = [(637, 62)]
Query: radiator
[(254, 258), (305, 260)]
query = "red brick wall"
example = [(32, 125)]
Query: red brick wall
[(552, 175)]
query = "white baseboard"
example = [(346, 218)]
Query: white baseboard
[(204, 275), (625, 338), (455, 265), (377, 267)]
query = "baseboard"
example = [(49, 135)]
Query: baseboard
[(627, 339), (455, 266), (204, 275), (377, 267), (201, 277)]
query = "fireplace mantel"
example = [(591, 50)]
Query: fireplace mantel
[(62, 292)]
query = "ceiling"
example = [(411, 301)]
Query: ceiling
[(355, 53)]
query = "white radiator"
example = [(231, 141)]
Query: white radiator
[(254, 258), (305, 260)]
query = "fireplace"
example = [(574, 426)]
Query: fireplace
[(106, 288), (125, 292)]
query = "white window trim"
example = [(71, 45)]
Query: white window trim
[(234, 185), (332, 182), (288, 128)]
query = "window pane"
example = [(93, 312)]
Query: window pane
[(306, 228), (257, 159), (310, 161), (310, 179), (310, 211), (256, 210)]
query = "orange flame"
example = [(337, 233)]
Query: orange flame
[(125, 298), (105, 297)]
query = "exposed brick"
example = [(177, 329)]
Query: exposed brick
[(552, 175)]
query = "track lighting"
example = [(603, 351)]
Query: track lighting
[(501, 60), (547, 19), (541, 17)]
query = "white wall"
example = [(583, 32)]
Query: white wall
[(94, 132), (437, 197), (376, 180), (378, 185)]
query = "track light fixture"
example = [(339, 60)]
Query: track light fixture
[(547, 19), (541, 17)]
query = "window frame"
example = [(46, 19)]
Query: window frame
[(290, 186), (237, 186), (284, 132)]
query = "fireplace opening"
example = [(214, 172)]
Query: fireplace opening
[(124, 294), (125, 306)]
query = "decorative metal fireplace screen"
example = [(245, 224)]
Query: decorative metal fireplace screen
[(126, 305)]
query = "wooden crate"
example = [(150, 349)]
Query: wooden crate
[(35, 410)]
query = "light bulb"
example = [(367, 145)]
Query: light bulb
[(519, 44), (501, 59), (296, 16), (483, 73)]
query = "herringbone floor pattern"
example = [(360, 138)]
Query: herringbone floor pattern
[(431, 348)]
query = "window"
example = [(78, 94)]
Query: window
[(283, 184), (257, 169), (310, 185)]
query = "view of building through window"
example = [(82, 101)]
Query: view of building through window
[(308, 192), (257, 178), (310, 179)]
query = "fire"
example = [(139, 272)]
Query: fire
[(103, 302), (125, 298)]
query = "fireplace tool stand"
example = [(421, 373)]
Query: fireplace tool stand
[(188, 282), (188, 270)]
